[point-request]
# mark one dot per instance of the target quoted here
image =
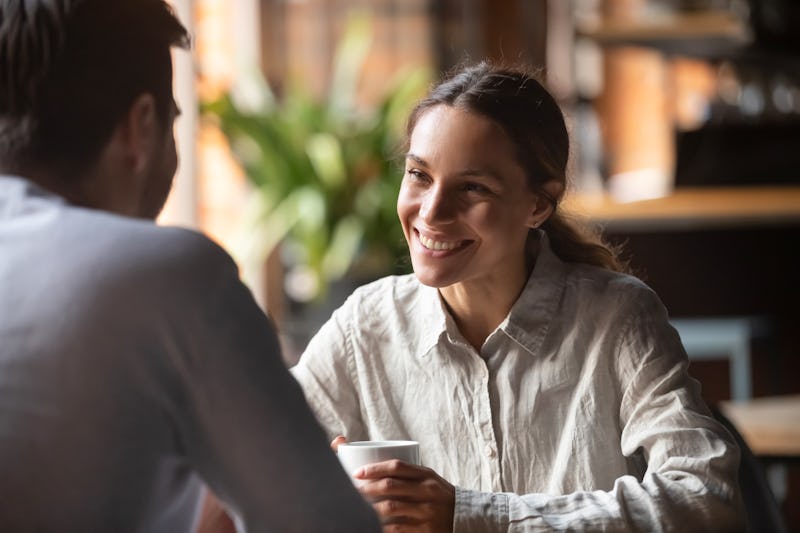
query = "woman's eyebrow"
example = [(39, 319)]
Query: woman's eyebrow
[(416, 158), (476, 172), (468, 172)]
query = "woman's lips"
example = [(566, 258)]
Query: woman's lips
[(436, 245)]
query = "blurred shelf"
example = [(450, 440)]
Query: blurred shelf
[(694, 208), (770, 426), (701, 25)]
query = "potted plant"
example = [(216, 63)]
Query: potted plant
[(324, 171)]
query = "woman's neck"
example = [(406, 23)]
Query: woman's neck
[(476, 318), (479, 306)]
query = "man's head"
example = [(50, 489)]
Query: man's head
[(86, 89)]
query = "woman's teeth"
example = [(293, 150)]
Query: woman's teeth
[(430, 244)]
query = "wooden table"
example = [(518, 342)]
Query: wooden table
[(691, 208), (770, 425)]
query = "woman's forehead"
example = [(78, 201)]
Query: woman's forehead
[(458, 134)]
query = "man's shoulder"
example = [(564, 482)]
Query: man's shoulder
[(123, 250), (144, 239)]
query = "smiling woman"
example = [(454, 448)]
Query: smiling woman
[(546, 388), (466, 208)]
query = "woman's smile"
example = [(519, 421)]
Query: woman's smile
[(465, 205), (437, 244)]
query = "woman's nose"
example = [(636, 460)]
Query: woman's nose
[(436, 206)]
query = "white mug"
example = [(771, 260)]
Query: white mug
[(354, 455)]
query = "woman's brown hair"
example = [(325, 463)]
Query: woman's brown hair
[(533, 120)]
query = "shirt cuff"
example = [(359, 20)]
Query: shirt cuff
[(480, 512)]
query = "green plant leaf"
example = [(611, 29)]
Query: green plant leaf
[(325, 153), (343, 248), (324, 172), (349, 61)]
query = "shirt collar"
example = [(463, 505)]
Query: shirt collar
[(16, 188), (531, 315), (433, 318), (529, 319)]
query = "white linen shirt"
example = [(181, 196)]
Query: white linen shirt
[(577, 414)]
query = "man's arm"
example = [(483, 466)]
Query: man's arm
[(243, 420)]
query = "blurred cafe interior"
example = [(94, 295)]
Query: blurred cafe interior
[(685, 121)]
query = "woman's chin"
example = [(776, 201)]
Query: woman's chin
[(432, 278)]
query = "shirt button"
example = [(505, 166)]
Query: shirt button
[(489, 450)]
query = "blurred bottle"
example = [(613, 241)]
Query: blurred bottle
[(636, 123), (749, 126)]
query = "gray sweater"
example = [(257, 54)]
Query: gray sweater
[(134, 365)]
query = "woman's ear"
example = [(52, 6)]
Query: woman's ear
[(544, 205)]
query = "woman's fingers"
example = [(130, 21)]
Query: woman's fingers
[(399, 511), (408, 497), (393, 468), (336, 442), (407, 494), (393, 488)]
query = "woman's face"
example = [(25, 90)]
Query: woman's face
[(464, 203)]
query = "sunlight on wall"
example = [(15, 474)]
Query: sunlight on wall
[(181, 205), (210, 188)]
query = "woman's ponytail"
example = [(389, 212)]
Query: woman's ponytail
[(574, 242)]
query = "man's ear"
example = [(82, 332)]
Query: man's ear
[(138, 133), (544, 207)]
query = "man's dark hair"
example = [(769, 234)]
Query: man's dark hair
[(69, 71)]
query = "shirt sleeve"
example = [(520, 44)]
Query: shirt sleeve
[(326, 375), (690, 483), (242, 419)]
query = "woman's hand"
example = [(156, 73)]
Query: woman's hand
[(408, 497), (336, 442), (213, 516)]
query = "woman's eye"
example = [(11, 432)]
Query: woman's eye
[(415, 174), (475, 187)]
